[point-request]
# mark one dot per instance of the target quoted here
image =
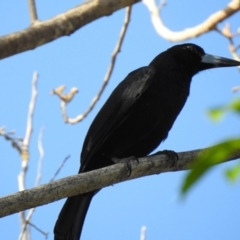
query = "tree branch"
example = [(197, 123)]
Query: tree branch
[(59, 168), (143, 233), (38, 178), (116, 50), (61, 25), (229, 35), (97, 179), (29, 127), (32, 11), (25, 151), (16, 142), (206, 26)]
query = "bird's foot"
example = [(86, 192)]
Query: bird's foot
[(173, 156), (126, 161)]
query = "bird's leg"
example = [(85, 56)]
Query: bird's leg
[(170, 154), (126, 161)]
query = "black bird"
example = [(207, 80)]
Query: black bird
[(135, 119)]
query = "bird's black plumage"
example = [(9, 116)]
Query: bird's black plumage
[(135, 119)]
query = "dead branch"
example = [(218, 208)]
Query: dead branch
[(209, 24), (39, 230), (25, 152), (227, 33), (15, 142), (38, 178), (41, 155), (105, 81), (143, 233), (59, 168)]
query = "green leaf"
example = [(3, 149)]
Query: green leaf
[(206, 160), (235, 105), (233, 173), (216, 114)]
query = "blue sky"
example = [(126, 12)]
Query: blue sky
[(211, 210)]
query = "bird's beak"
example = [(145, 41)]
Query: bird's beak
[(216, 61)]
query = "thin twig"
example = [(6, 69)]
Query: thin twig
[(31, 211), (41, 155), (233, 51), (143, 233), (162, 4), (64, 111), (60, 167), (29, 128), (107, 76), (25, 153), (236, 57), (38, 178), (32, 11), (24, 227), (38, 229), (236, 89), (227, 33), (16, 142)]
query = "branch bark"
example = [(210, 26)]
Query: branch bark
[(96, 179), (61, 25)]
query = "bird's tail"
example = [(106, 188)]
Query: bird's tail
[(71, 218)]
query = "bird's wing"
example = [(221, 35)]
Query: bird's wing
[(115, 110)]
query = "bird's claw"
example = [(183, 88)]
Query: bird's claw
[(126, 161), (173, 156)]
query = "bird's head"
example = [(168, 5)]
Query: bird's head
[(191, 59)]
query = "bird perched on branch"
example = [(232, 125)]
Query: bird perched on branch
[(135, 119)]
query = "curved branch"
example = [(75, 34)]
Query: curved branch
[(96, 179), (206, 26), (62, 25), (106, 79)]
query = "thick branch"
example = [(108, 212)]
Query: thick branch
[(96, 179), (62, 25), (206, 26)]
